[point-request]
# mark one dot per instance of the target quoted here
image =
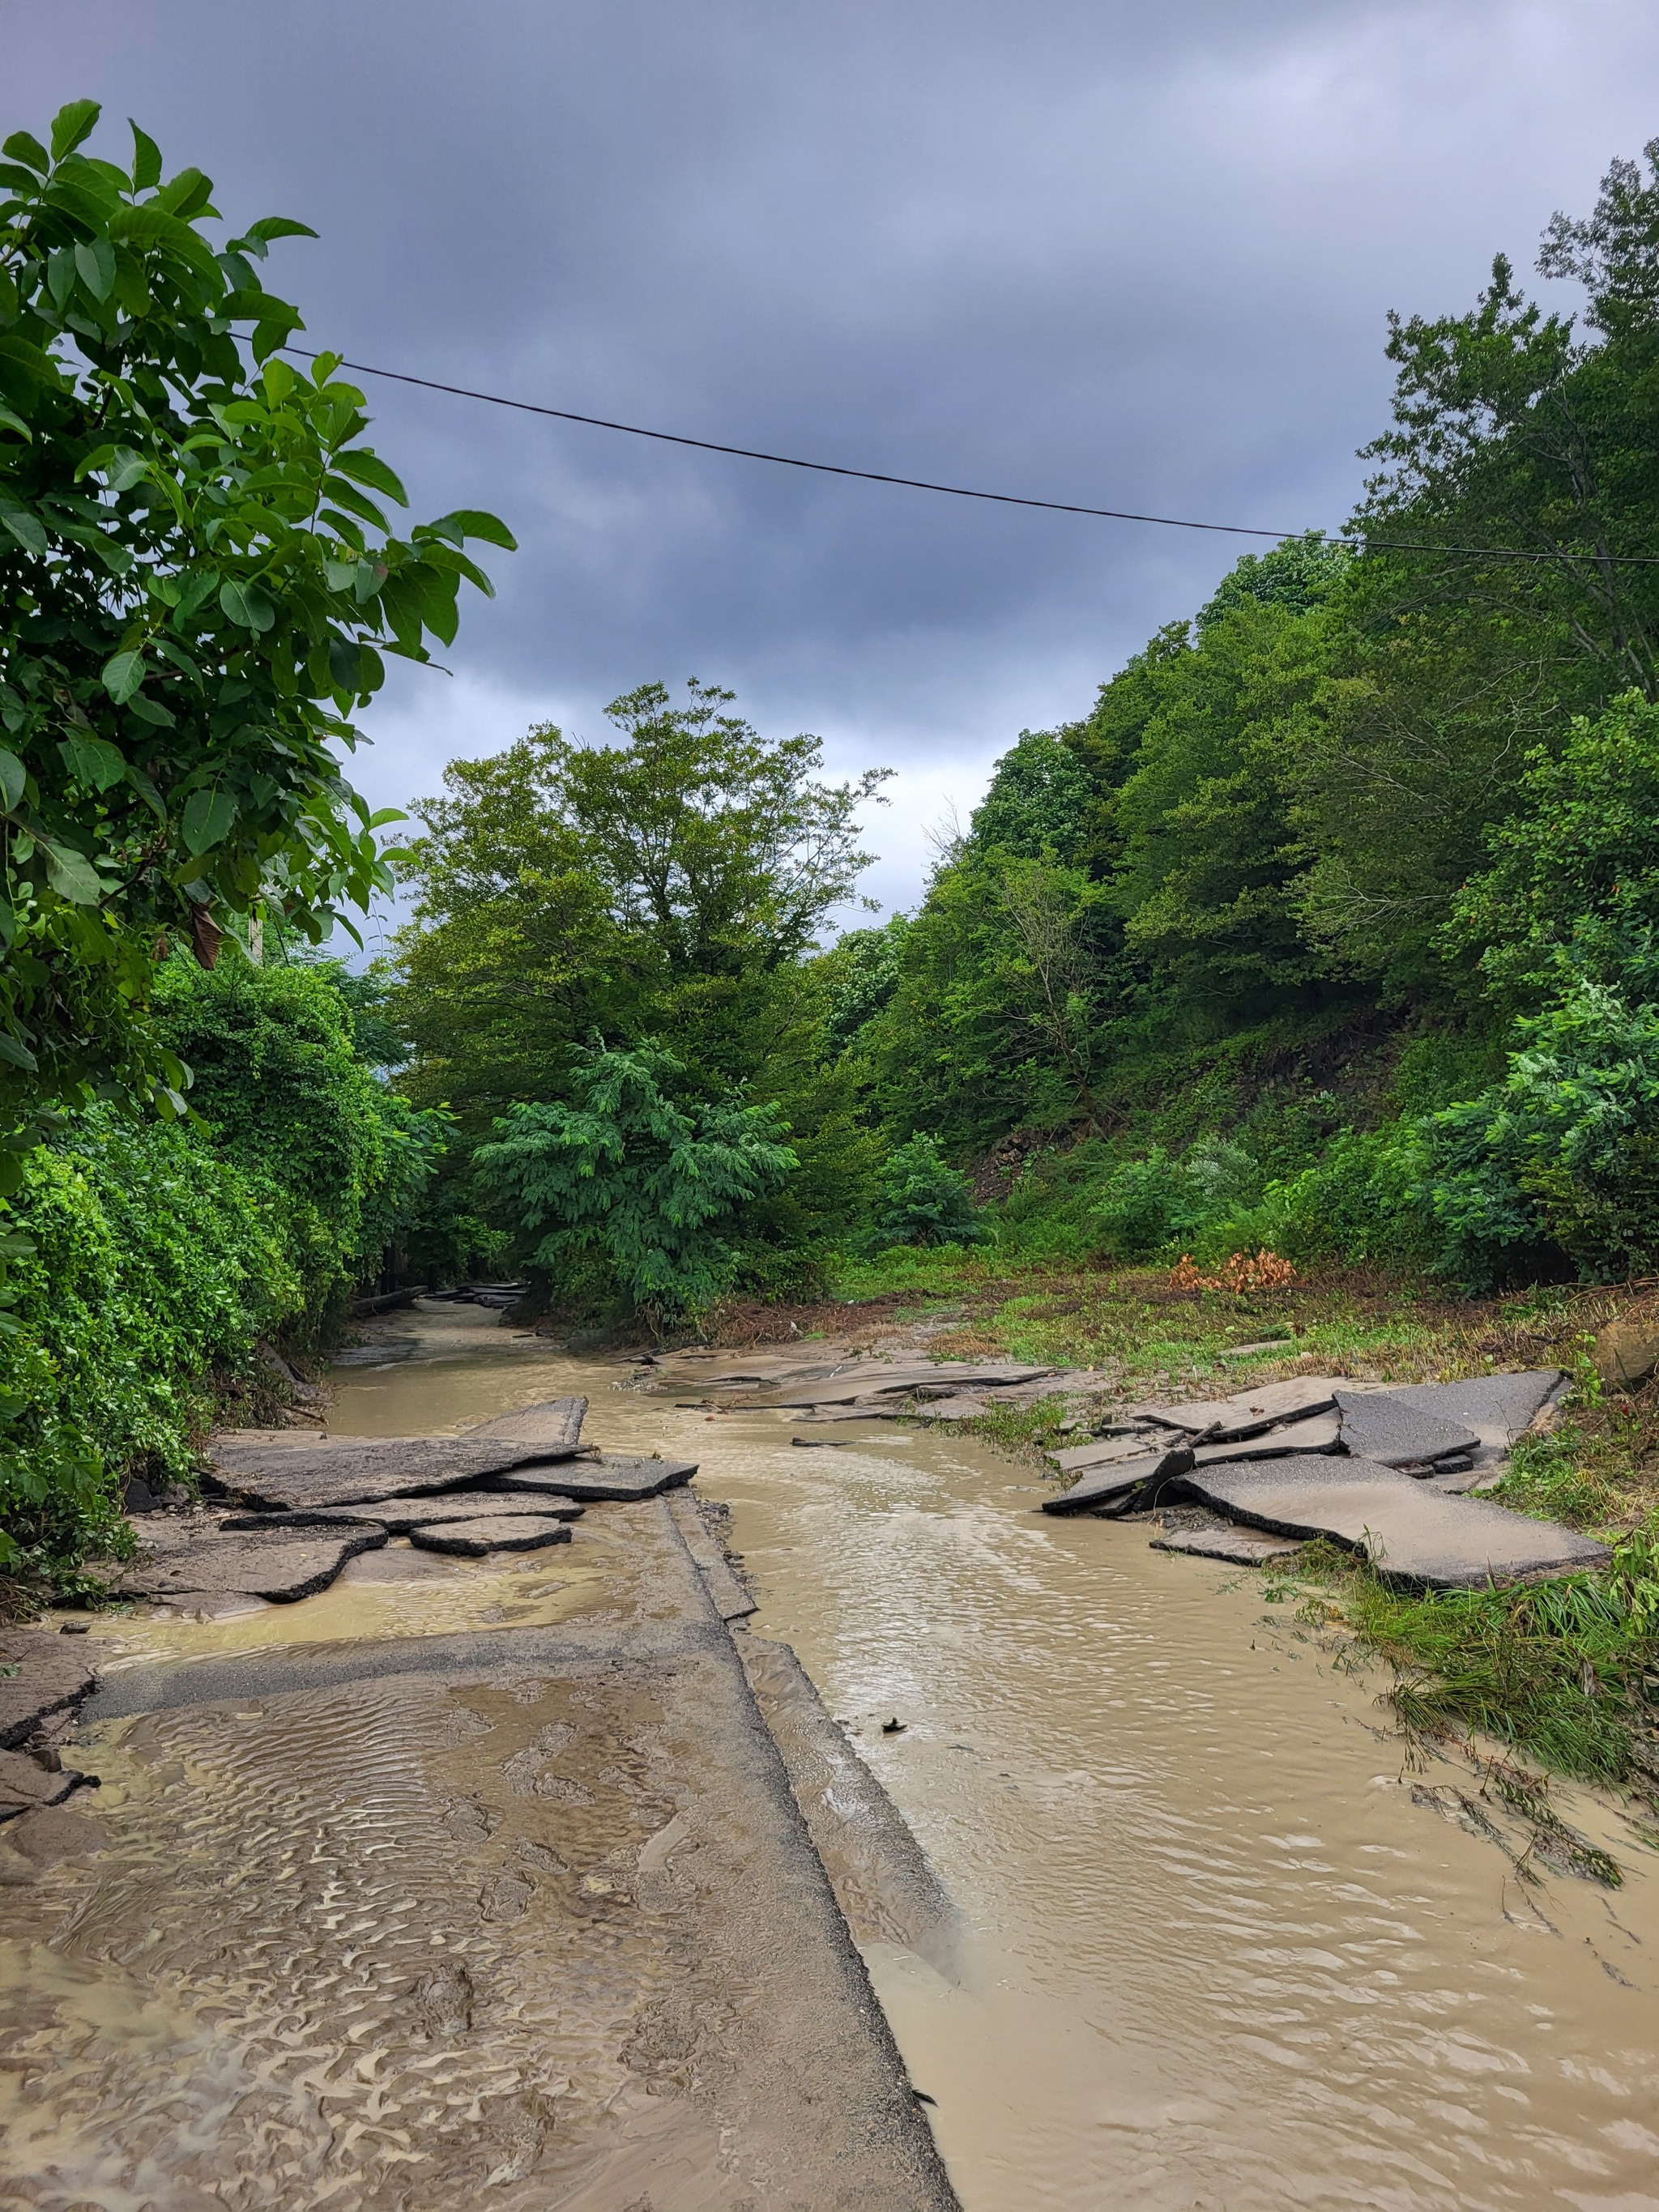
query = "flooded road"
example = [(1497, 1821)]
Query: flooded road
[(1215, 1955)]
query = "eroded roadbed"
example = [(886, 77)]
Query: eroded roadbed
[(392, 1922)]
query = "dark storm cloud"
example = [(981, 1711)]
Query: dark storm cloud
[(1135, 255)]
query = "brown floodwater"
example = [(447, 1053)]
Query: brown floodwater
[(1220, 1946)]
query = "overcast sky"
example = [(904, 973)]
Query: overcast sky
[(1137, 255)]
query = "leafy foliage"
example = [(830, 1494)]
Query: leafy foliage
[(146, 1255), (630, 1175), (197, 583), (924, 1199)]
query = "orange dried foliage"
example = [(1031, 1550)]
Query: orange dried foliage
[(1262, 1271)]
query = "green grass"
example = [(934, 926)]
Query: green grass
[(1564, 1673)]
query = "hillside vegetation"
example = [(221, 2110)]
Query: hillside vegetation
[(1328, 929)]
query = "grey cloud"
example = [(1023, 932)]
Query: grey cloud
[(1135, 255)]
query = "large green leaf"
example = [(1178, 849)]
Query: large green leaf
[(71, 125), (146, 160), (123, 675), (71, 875), (14, 1050), (207, 820), (20, 147), (150, 226), (246, 604), (93, 761), (94, 258), (26, 528), (367, 468), (279, 226), (13, 777), (466, 522)]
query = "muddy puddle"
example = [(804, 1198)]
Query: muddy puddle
[(1213, 1951)]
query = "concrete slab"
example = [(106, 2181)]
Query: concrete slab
[(362, 1470), (498, 1532), (51, 1677), (556, 1421), (399, 1514), (1246, 1411), (1320, 1432), (1104, 1488), (613, 1476), (283, 1564), (1387, 1426), (1413, 1534)]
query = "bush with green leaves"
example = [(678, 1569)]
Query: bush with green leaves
[(634, 1183), (141, 1261), (147, 1255), (1158, 1202), (924, 1199), (197, 583), (339, 1161), (1563, 1155)]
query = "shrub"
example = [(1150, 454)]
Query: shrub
[(646, 1188), (925, 1200), (1564, 1152), (142, 1261), (1150, 1204)]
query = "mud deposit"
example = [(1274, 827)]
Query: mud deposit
[(1213, 1945)]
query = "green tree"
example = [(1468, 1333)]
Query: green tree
[(198, 584), (924, 1199), (1039, 797), (1573, 886), (669, 886), (1209, 854), (1298, 573), (1517, 431), (650, 1185)]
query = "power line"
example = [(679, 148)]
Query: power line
[(963, 491)]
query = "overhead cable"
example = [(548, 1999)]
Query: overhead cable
[(1356, 539)]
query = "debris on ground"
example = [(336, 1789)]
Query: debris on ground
[(1380, 1471)]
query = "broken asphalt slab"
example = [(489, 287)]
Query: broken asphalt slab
[(40, 1679), (283, 1564), (1221, 1539), (1399, 1431), (1246, 1412), (500, 1532), (1413, 1534), (667, 1862), (556, 1422), (1113, 1488), (362, 1472), (612, 1477), (397, 1516), (26, 1784)]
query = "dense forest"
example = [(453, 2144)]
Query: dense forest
[(1329, 930)]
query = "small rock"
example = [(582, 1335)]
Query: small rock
[(1627, 1351), (895, 1726), (73, 1627)]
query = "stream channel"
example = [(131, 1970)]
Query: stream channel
[(1216, 1952)]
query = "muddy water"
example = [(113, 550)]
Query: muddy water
[(1217, 1952), (1213, 1951)]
